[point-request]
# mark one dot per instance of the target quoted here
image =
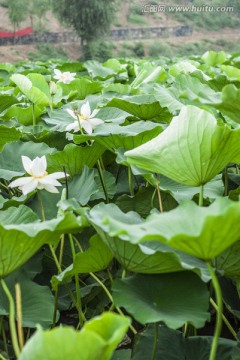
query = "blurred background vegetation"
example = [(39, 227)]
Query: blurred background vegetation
[(93, 20)]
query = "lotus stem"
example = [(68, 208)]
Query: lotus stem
[(155, 341), (19, 315), (225, 320), (200, 201), (159, 195), (226, 181), (33, 115), (12, 324), (103, 181), (130, 181), (218, 326)]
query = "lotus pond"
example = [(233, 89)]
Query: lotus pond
[(119, 209)]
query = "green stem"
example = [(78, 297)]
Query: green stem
[(218, 326), (41, 205), (2, 331), (159, 196), (33, 115), (12, 324), (225, 320), (2, 357), (102, 181), (226, 181), (200, 201), (78, 291), (155, 341), (111, 298), (130, 181)]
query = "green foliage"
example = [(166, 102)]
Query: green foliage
[(139, 49), (159, 49), (98, 50), (17, 10), (89, 19), (45, 52), (136, 19)]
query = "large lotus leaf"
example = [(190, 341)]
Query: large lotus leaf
[(38, 80), (230, 104), (6, 101), (228, 261), (37, 302), (97, 70), (232, 72), (20, 215), (168, 97), (192, 150), (190, 348), (174, 298), (192, 91), (74, 158), (18, 242), (10, 157), (97, 340), (149, 73), (81, 88), (145, 107), (96, 258), (213, 58), (197, 231), (33, 93), (147, 257), (24, 113), (8, 134), (113, 136)]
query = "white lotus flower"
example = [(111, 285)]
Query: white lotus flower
[(65, 77), (39, 178), (86, 119)]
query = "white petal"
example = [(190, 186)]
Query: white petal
[(51, 188), (38, 167), (43, 164), (27, 164), (57, 175), (47, 181), (95, 111), (57, 73), (71, 112), (20, 182), (74, 126), (27, 188), (95, 122), (87, 127), (86, 110)]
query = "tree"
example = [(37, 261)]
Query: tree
[(17, 12), (90, 19), (37, 10)]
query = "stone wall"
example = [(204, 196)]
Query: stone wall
[(116, 34)]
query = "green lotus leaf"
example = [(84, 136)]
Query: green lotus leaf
[(192, 150), (230, 104), (33, 93), (18, 242), (145, 257), (81, 88), (6, 101), (74, 158), (113, 136), (24, 113), (213, 58), (174, 298), (8, 134), (198, 231), (97, 340), (190, 348), (96, 258), (145, 107), (232, 72)]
